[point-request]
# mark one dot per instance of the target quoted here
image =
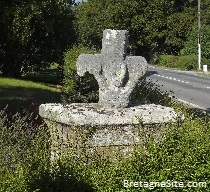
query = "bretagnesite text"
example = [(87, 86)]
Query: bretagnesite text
[(164, 184)]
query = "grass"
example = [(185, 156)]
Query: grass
[(34, 88), (47, 76)]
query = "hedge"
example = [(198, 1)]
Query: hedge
[(186, 62)]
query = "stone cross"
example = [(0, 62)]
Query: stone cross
[(115, 72)]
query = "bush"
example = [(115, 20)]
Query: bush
[(148, 92), (183, 155), (24, 152), (75, 88), (185, 62), (167, 61)]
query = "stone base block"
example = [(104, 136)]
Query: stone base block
[(92, 114), (77, 125)]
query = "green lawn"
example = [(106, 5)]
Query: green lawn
[(36, 88)]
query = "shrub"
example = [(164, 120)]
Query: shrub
[(190, 62), (167, 60), (147, 92), (185, 62), (75, 88), (182, 156), (24, 152)]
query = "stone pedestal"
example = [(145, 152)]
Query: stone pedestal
[(72, 124), (112, 123)]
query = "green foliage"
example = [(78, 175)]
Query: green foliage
[(167, 60), (186, 62), (147, 92), (183, 155), (33, 34), (24, 154), (155, 26), (75, 88), (178, 29), (191, 46), (205, 13), (95, 16)]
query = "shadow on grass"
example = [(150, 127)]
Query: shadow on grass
[(48, 76), (61, 181), (199, 113), (19, 98)]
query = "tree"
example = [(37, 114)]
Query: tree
[(96, 15), (33, 34), (155, 26), (191, 46), (179, 26)]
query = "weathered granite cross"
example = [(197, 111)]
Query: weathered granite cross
[(115, 72)]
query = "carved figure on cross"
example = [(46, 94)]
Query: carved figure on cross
[(115, 72)]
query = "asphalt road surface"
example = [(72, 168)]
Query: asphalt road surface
[(186, 86)]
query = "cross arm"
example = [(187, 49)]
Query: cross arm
[(137, 67), (91, 63)]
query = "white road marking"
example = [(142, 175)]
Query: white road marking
[(188, 103), (176, 80), (171, 78)]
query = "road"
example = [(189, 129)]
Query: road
[(186, 86)]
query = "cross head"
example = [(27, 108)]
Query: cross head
[(115, 71)]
